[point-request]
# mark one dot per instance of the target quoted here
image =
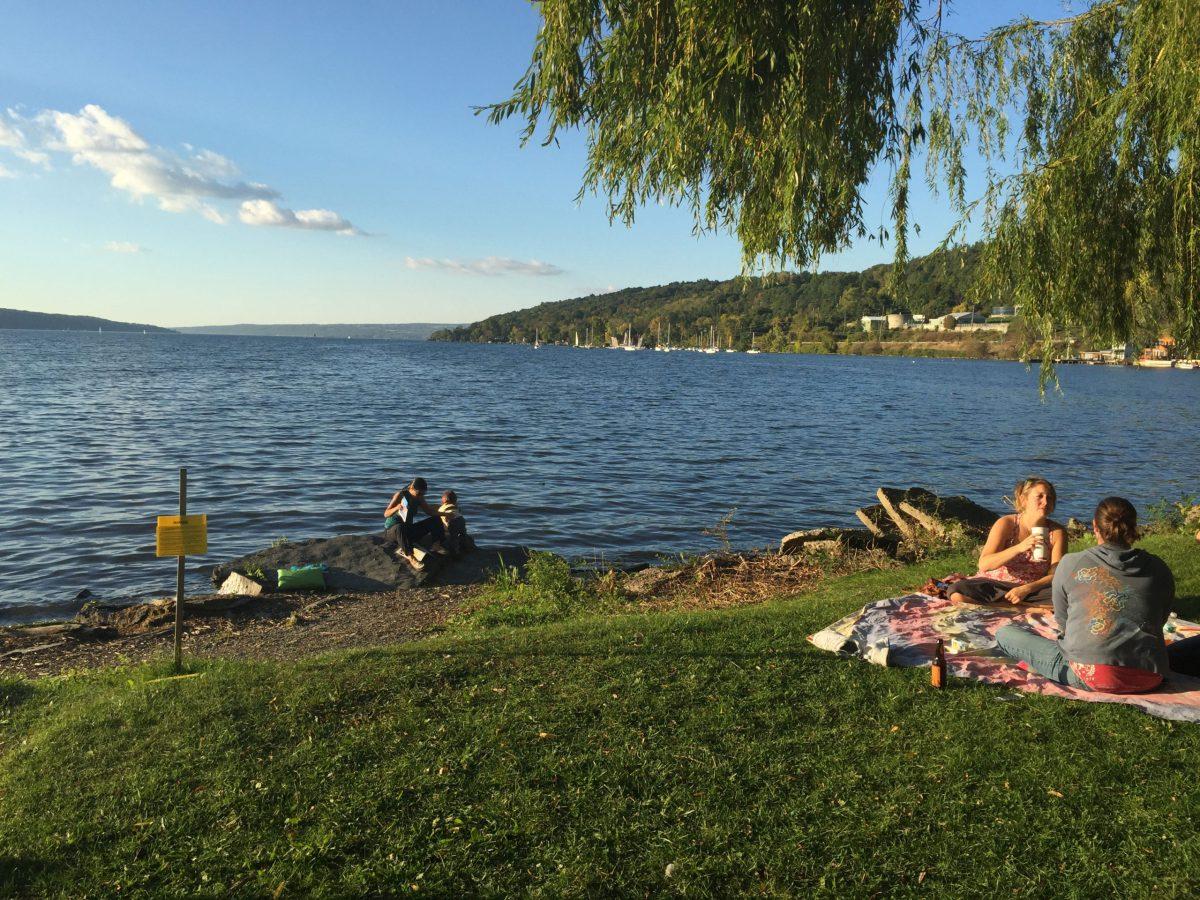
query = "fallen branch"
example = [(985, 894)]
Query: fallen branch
[(21, 651)]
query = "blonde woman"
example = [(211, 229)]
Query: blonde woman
[(1017, 562)]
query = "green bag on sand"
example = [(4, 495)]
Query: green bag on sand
[(301, 578)]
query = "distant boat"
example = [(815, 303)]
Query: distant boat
[(753, 349), (1155, 363), (1186, 364), (536, 342), (629, 344), (712, 341)]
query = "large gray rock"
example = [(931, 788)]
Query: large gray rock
[(361, 563)]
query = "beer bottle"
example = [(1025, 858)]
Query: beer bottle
[(937, 674)]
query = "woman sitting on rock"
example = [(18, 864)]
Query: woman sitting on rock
[(1017, 562), (1111, 603), (403, 529)]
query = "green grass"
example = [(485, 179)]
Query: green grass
[(594, 756)]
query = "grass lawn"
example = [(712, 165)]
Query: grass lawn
[(703, 753)]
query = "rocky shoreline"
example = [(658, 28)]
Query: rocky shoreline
[(373, 599)]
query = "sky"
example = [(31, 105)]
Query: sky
[(216, 163)]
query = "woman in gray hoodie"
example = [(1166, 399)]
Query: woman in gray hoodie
[(1110, 602)]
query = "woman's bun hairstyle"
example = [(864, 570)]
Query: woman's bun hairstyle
[(1116, 520), (1026, 485)]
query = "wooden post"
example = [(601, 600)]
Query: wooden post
[(179, 577)]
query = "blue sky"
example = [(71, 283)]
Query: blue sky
[(357, 184)]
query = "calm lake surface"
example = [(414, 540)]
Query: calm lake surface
[(622, 456)]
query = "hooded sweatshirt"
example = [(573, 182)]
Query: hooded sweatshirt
[(1111, 603)]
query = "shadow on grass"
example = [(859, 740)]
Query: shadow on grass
[(19, 873), (1188, 606), (14, 692), (591, 654)]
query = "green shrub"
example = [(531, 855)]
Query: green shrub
[(545, 591), (1172, 516)]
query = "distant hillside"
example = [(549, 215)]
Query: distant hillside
[(783, 311), (412, 331), (17, 318)]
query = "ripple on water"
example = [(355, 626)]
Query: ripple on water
[(617, 456)]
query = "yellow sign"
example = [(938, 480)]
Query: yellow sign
[(181, 536)]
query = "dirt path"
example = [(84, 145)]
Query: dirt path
[(275, 626)]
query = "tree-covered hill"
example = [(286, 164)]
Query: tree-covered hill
[(22, 319), (783, 311)]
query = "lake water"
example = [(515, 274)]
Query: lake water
[(622, 456)]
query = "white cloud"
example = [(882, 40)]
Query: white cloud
[(37, 157), (489, 265), (195, 181), (179, 184), (13, 138), (6, 173), (267, 212), (123, 247), (10, 135)]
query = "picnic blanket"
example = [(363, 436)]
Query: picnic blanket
[(904, 631)]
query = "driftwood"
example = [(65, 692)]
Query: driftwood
[(22, 651)]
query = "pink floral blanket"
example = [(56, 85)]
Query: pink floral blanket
[(903, 632)]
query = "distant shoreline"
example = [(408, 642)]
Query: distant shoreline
[(902, 349)]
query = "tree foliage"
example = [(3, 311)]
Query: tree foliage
[(784, 312), (767, 118), (1089, 129)]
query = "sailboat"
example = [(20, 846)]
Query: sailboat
[(536, 342), (576, 340), (629, 344), (667, 347), (712, 341), (753, 349)]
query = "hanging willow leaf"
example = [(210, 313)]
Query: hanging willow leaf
[(767, 118)]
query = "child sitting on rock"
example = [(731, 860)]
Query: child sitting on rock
[(457, 541)]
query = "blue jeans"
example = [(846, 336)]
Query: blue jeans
[(1043, 655)]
